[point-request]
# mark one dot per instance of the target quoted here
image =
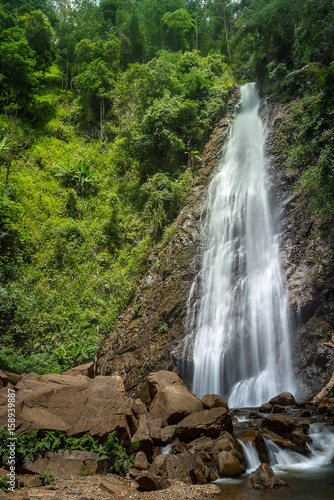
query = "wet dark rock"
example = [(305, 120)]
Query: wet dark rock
[(264, 478), (254, 415), (279, 424), (265, 408), (228, 465), (213, 401), (283, 399), (298, 437), (256, 438), (277, 409)]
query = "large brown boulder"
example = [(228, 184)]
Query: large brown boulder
[(154, 427), (213, 401), (73, 405), (264, 477), (187, 467), (3, 379), (168, 435), (299, 438), (140, 462), (207, 422), (279, 424), (62, 463), (226, 442), (12, 378), (283, 399), (265, 408), (228, 465), (142, 438), (173, 403), (156, 381), (209, 448), (87, 370), (149, 482)]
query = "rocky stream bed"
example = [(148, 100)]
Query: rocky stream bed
[(185, 447)]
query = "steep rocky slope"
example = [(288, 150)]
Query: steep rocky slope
[(152, 326), (306, 243)]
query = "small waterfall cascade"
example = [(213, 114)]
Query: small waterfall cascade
[(241, 349), (321, 452)]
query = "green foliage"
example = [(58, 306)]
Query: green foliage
[(17, 80), (78, 176), (29, 446), (46, 478), (163, 200), (4, 483), (308, 133), (37, 31), (12, 235), (163, 328), (180, 26)]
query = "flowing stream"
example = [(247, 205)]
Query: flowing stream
[(309, 477), (241, 347)]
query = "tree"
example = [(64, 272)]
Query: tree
[(180, 28), (315, 34), (38, 32), (17, 63), (109, 10), (132, 40), (152, 13), (94, 86), (265, 33)]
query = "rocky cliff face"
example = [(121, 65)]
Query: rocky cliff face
[(307, 258), (149, 334), (152, 326)]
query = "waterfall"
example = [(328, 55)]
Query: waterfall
[(241, 347)]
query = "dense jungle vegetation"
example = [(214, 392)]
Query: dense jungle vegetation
[(104, 110)]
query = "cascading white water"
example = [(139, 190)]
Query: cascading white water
[(321, 447), (242, 336)]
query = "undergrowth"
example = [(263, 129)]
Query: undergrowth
[(29, 446)]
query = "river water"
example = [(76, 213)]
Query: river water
[(241, 349), (309, 477)]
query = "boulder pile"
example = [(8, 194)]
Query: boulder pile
[(176, 435)]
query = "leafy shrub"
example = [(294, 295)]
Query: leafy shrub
[(78, 176), (29, 446), (46, 478)]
